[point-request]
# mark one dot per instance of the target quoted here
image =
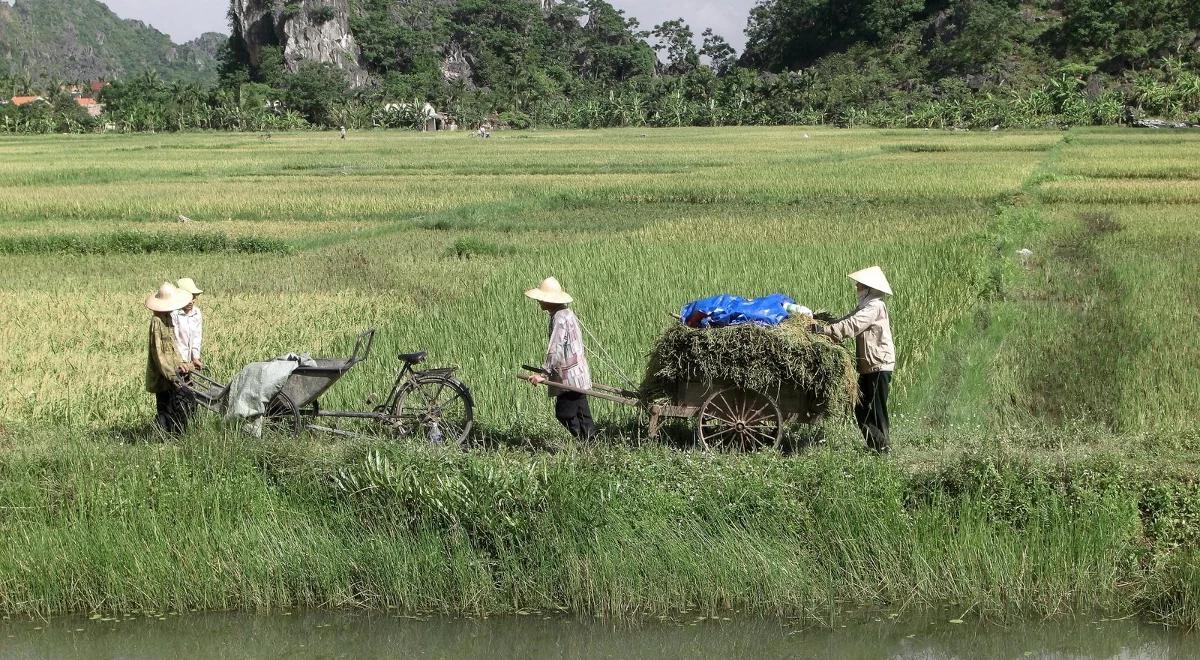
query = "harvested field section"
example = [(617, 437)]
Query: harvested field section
[(1100, 323)]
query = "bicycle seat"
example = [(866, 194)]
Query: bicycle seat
[(413, 358)]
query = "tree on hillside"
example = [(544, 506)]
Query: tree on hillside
[(400, 38), (233, 61), (314, 89), (1118, 34), (506, 38), (612, 49), (721, 56), (972, 37), (790, 34), (676, 38)]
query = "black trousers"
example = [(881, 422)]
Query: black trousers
[(173, 410), (871, 411), (573, 411)]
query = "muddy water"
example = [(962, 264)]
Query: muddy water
[(346, 635)]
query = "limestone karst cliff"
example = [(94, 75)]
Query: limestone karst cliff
[(305, 30)]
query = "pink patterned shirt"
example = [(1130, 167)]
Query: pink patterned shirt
[(565, 359)]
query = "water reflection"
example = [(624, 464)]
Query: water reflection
[(349, 635)]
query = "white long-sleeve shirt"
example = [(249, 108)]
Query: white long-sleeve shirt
[(189, 330), (871, 328)]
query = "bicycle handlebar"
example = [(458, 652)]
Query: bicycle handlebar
[(362, 346)]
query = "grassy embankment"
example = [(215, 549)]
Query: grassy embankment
[(1045, 451)]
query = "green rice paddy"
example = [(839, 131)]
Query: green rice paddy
[(1044, 408)]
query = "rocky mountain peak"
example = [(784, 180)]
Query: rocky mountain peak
[(305, 30)]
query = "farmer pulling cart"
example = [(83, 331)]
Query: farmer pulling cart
[(285, 393), (742, 377)]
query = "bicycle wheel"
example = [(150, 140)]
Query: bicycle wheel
[(283, 416), (438, 409)]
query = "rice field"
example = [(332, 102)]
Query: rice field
[(431, 239), (1078, 366)]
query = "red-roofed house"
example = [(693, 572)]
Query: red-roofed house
[(93, 108), (26, 100)]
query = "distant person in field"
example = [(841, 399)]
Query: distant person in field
[(872, 331), (343, 132), (565, 360), (189, 325), (166, 369)]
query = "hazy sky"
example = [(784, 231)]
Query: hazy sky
[(186, 19)]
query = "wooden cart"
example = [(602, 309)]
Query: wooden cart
[(726, 417)]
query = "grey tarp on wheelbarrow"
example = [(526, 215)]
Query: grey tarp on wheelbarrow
[(256, 384)]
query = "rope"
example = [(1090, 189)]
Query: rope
[(606, 359), (631, 415)]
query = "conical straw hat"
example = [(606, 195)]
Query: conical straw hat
[(186, 284), (549, 291), (872, 277), (167, 299)]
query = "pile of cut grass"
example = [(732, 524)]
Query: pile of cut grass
[(768, 359)]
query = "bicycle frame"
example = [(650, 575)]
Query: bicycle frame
[(404, 376)]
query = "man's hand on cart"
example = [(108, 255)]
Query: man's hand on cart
[(536, 375)]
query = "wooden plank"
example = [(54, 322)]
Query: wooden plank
[(671, 410), (599, 394), (615, 390)]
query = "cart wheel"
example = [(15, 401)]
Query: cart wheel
[(738, 420), (283, 415), (439, 409)]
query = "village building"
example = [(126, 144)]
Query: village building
[(93, 107), (432, 120)]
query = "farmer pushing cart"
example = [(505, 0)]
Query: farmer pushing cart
[(565, 361), (871, 329), (166, 370)]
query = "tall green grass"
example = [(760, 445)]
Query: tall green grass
[(217, 523)]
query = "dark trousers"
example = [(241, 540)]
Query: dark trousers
[(173, 410), (871, 410), (573, 411)]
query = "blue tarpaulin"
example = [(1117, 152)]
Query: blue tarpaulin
[(722, 310)]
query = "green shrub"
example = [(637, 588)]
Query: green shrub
[(516, 119), (129, 242), (321, 15)]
